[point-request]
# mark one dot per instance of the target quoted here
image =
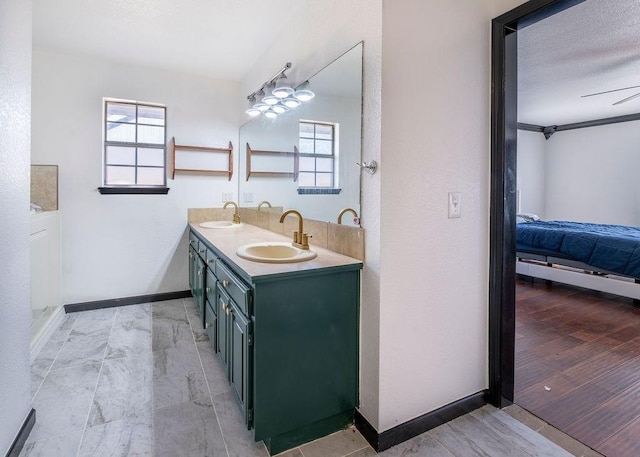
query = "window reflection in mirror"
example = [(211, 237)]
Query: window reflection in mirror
[(326, 131)]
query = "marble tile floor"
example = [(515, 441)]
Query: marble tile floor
[(142, 380)]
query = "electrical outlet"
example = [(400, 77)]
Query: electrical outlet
[(455, 203), (227, 196), (247, 197)]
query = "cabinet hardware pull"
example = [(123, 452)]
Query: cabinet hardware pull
[(207, 325), (228, 311), (191, 255), (226, 283), (224, 305), (199, 272), (208, 290), (201, 251)]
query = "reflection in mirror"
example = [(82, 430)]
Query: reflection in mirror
[(305, 158)]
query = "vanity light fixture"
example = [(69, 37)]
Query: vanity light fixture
[(270, 100), (282, 89), (270, 113), (303, 93), (280, 108), (282, 98), (291, 102), (252, 110)]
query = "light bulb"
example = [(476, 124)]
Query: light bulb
[(253, 111), (291, 102), (304, 95), (271, 114), (279, 108), (262, 107), (270, 100)]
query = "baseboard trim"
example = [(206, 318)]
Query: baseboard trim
[(41, 338), (419, 425), (23, 434), (99, 304)]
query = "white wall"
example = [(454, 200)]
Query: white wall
[(435, 139), (592, 174), (531, 172), (15, 106), (316, 37), (124, 245)]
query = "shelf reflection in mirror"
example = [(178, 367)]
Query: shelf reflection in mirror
[(294, 166)]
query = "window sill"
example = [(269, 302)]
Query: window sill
[(318, 191), (133, 190)]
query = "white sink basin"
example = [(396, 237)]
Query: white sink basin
[(275, 252), (219, 224)]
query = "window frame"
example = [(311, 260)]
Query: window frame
[(332, 189), (133, 188)]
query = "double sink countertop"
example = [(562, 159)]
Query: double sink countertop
[(227, 241)]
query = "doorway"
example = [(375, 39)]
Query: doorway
[(502, 246), (502, 298)]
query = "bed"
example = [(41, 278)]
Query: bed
[(606, 251)]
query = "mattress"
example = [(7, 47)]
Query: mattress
[(614, 248)]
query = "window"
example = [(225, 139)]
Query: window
[(317, 157), (134, 147)]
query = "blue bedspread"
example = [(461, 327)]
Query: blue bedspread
[(610, 247)]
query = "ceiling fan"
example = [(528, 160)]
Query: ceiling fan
[(619, 102)]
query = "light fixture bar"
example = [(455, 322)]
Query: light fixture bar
[(271, 81)]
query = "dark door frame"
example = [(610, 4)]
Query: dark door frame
[(502, 245)]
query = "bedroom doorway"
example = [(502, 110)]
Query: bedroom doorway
[(503, 283)]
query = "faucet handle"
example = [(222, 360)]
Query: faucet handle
[(305, 240)]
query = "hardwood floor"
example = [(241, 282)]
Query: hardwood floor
[(578, 363)]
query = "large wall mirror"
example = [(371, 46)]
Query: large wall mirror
[(305, 159)]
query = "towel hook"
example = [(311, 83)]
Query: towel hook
[(371, 167)]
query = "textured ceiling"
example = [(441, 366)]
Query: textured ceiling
[(217, 38), (591, 47)]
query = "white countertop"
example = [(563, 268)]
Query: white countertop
[(228, 240)]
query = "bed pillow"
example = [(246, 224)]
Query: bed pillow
[(526, 217)]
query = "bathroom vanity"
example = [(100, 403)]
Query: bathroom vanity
[(287, 334)]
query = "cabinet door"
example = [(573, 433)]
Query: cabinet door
[(240, 359), (192, 270), (211, 324), (199, 292), (221, 310)]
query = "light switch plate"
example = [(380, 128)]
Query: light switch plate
[(227, 196), (455, 203), (247, 197)]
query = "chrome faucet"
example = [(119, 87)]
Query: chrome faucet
[(300, 239), (236, 215), (344, 211), (264, 203)]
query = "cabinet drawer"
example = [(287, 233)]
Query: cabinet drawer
[(234, 287), (210, 259), (193, 241), (210, 289)]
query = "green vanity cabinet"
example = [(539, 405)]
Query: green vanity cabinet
[(222, 304), (202, 279), (197, 289), (289, 343), (210, 312), (240, 334)]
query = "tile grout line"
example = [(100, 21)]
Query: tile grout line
[(84, 430), (353, 452), (193, 336), (441, 443), (54, 360)]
